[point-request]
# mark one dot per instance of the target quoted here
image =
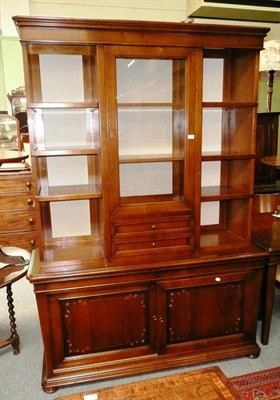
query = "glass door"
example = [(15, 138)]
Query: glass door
[(147, 128)]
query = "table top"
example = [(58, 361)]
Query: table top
[(7, 156), (14, 264), (273, 161)]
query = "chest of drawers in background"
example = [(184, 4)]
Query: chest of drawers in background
[(17, 213)]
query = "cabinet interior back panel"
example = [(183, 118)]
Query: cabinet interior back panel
[(61, 78), (70, 218)]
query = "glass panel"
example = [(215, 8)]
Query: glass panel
[(61, 78), (144, 81), (145, 179), (151, 126), (145, 131)]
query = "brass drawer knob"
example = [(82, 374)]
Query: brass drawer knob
[(31, 221), (29, 201)]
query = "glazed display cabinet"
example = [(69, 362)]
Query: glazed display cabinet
[(143, 154)]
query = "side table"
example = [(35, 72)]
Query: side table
[(13, 266), (266, 234)]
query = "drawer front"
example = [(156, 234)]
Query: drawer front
[(16, 221), (153, 245), (153, 226), (24, 240), (16, 183), (16, 202)]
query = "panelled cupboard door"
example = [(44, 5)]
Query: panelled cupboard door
[(114, 322), (207, 311), (150, 95)]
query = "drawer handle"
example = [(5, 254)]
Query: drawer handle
[(29, 201), (153, 227), (28, 186), (218, 279), (32, 242), (153, 244), (31, 221)]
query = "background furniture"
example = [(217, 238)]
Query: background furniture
[(266, 145), (17, 214), (17, 99), (10, 137), (143, 181), (266, 233), (13, 266)]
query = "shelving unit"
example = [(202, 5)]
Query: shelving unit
[(143, 149)]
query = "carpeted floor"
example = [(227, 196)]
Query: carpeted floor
[(20, 376), (259, 385)]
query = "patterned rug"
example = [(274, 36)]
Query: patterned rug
[(259, 385)]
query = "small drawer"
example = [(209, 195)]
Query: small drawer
[(17, 221), (154, 226), (16, 183), (24, 240), (136, 246), (16, 202)]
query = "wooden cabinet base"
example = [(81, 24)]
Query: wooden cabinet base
[(112, 370), (100, 325)]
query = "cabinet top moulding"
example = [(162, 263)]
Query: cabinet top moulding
[(87, 31)]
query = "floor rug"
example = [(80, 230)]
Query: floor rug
[(259, 385)]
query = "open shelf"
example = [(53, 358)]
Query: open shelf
[(61, 105), (221, 239), (214, 193), (137, 158), (228, 104), (224, 156), (69, 192), (66, 151)]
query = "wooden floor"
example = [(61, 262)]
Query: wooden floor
[(206, 384)]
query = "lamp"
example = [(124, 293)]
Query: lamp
[(270, 61)]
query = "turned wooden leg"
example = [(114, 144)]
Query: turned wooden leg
[(14, 336)]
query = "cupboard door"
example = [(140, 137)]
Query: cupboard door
[(214, 306), (106, 324), (151, 149)]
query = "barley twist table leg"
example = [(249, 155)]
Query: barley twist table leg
[(14, 336)]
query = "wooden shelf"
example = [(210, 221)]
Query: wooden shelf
[(223, 156), (63, 105), (228, 104), (149, 158), (63, 193), (86, 151), (215, 239), (215, 193)]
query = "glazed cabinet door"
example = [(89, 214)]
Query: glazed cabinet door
[(216, 309), (151, 142), (98, 323)]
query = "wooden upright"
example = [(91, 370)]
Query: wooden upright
[(143, 145)]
